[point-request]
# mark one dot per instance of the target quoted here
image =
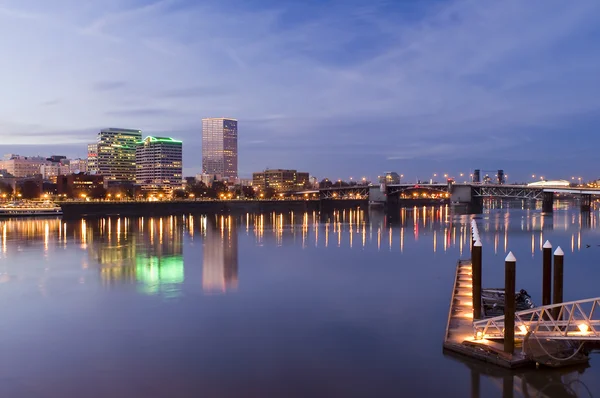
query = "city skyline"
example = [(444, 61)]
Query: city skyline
[(343, 89)]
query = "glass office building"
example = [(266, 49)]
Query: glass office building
[(115, 156), (219, 147)]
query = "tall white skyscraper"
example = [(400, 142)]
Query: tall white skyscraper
[(219, 147)]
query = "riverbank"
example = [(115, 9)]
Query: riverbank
[(135, 208)]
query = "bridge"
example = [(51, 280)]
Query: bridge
[(470, 195)]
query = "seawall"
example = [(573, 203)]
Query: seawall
[(134, 208)]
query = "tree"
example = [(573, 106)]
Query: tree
[(98, 192), (30, 190), (179, 193), (5, 189), (325, 183), (220, 188), (248, 192), (267, 193)]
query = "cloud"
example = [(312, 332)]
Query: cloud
[(109, 85), (195, 92), (137, 112), (342, 80), (51, 102)]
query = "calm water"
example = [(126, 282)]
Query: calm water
[(268, 305)]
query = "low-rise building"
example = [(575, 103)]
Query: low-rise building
[(23, 166), (76, 185), (280, 180)]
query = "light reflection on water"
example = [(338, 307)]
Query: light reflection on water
[(292, 283)]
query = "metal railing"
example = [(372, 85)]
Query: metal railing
[(574, 320)]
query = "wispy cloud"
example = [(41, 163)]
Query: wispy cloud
[(195, 92), (137, 112), (109, 85), (52, 102)]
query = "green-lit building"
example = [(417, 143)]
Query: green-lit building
[(159, 164), (113, 155)]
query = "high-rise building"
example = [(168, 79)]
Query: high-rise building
[(116, 154), (158, 164), (92, 159), (219, 147)]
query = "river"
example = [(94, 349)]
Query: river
[(345, 304)]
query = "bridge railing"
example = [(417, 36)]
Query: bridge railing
[(575, 320)]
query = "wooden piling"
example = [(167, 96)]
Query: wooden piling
[(559, 257), (547, 274), (510, 265), (476, 272), (475, 384)]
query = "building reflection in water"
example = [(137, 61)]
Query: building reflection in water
[(29, 232), (437, 225), (220, 254), (147, 251)]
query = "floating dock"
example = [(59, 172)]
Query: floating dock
[(459, 336)]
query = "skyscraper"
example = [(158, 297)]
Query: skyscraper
[(219, 147), (116, 154), (158, 162)]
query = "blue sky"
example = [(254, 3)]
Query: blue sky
[(338, 88)]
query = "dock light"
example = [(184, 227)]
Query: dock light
[(479, 335), (583, 328), (523, 329)]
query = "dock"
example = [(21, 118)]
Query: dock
[(460, 337)]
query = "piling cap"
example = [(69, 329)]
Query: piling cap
[(547, 245), (510, 258), (477, 243), (559, 252)]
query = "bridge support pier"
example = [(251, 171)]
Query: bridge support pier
[(476, 205), (586, 202), (547, 202), (392, 204)]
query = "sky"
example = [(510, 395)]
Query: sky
[(338, 88)]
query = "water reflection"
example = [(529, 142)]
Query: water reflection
[(220, 254), (122, 241), (325, 281), (561, 382)]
